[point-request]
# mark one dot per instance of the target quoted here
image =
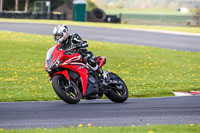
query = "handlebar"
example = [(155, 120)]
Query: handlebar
[(70, 49), (78, 46)]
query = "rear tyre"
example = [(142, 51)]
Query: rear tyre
[(117, 93), (69, 94)]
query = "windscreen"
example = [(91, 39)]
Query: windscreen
[(49, 56), (49, 53)]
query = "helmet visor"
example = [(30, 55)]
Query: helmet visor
[(57, 37)]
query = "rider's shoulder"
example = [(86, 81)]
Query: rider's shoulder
[(76, 37)]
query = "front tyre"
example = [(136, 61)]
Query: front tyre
[(117, 93), (70, 94)]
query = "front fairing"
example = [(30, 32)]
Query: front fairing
[(67, 62), (52, 55)]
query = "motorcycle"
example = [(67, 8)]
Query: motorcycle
[(73, 80)]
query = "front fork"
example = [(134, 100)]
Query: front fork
[(65, 73)]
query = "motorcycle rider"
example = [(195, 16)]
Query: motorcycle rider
[(69, 41)]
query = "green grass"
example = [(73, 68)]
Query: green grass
[(147, 71), (108, 25), (134, 129), (157, 18)]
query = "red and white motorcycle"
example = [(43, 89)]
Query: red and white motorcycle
[(73, 80)]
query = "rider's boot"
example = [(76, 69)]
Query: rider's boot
[(105, 75)]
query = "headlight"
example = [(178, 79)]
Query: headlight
[(55, 64), (48, 70)]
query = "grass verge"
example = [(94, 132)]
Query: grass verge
[(147, 71), (107, 25), (134, 129)]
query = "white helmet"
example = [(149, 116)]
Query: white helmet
[(60, 33)]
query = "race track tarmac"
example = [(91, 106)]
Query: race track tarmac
[(136, 37), (167, 110)]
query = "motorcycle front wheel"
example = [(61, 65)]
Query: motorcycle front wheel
[(117, 93), (68, 93)]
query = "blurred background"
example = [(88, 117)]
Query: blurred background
[(146, 12)]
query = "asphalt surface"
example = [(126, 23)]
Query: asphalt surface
[(168, 110), (147, 38)]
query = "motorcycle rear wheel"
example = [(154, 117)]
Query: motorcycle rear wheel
[(118, 95), (69, 94)]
